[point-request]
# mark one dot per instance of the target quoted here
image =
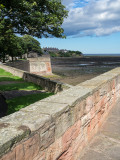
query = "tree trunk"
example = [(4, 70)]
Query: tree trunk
[(3, 58), (12, 58)]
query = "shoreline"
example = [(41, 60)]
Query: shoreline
[(70, 72)]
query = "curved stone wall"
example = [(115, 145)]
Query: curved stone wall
[(45, 83), (60, 126), (40, 65)]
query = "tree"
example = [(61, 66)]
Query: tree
[(21, 47), (11, 45), (17, 46), (31, 44), (34, 17)]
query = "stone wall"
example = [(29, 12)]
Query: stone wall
[(45, 83), (60, 126), (20, 64), (40, 65)]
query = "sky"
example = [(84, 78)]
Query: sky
[(92, 26)]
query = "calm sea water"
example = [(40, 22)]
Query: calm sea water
[(108, 55)]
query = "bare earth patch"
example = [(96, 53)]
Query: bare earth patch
[(10, 82)]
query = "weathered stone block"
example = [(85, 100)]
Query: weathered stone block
[(9, 136), (85, 119), (62, 123), (101, 103), (70, 135), (71, 96), (78, 111), (103, 90), (9, 156), (96, 97), (46, 108), (93, 83), (47, 136), (31, 147), (78, 146), (30, 116), (68, 155), (55, 150), (93, 112), (59, 112), (19, 152), (89, 103)]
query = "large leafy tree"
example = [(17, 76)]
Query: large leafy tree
[(12, 46), (34, 17), (31, 44)]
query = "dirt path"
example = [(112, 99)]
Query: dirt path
[(17, 93), (10, 82)]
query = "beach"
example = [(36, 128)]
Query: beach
[(76, 70)]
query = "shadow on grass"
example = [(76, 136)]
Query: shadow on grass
[(20, 86), (17, 93), (16, 104), (14, 78)]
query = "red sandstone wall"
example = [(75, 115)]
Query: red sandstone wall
[(77, 114)]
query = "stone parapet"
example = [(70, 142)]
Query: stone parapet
[(45, 83), (20, 64), (40, 65), (60, 126)]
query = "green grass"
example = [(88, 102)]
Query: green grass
[(20, 86), (12, 78), (6, 76), (16, 104), (4, 73)]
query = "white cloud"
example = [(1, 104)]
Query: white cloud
[(92, 17)]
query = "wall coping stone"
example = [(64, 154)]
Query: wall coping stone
[(20, 125)]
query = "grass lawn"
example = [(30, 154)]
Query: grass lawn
[(6, 76), (4, 73), (20, 86), (11, 78), (16, 104)]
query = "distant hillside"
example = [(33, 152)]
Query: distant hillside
[(55, 52)]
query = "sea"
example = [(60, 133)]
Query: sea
[(103, 55)]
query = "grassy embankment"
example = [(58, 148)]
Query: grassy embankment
[(15, 104)]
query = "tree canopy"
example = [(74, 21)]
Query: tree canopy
[(15, 46), (34, 17), (66, 54), (31, 44), (39, 18), (12, 45)]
